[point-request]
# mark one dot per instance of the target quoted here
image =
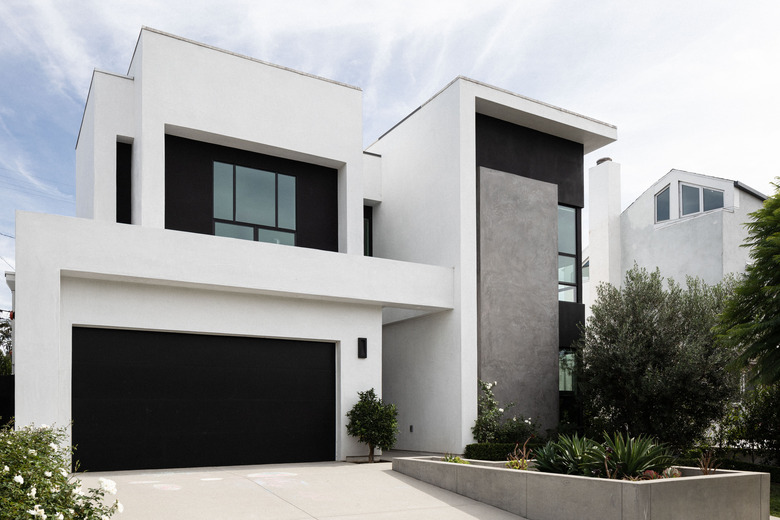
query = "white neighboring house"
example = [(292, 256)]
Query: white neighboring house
[(215, 301), (686, 224)]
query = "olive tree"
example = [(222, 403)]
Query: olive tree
[(648, 361), (373, 422)]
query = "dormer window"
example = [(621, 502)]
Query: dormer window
[(695, 199), (662, 205)]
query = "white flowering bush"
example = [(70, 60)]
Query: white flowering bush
[(35, 479), (489, 414)]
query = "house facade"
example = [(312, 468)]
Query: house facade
[(239, 267), (686, 224)]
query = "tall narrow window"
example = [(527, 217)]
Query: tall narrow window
[(662, 205), (368, 231), (124, 153), (254, 204), (567, 254)]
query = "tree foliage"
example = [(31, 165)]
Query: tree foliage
[(373, 422), (5, 347), (648, 361), (751, 318)]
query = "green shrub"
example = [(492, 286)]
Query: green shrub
[(488, 451), (516, 430), (35, 479), (373, 422), (753, 425)]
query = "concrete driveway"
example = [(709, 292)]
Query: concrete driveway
[(325, 490)]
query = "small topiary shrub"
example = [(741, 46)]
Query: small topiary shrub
[(373, 422)]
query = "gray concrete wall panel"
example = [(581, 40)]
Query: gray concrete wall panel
[(518, 314)]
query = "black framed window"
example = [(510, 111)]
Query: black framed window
[(568, 265), (254, 204)]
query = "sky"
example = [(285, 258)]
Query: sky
[(690, 85)]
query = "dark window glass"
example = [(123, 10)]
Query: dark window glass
[(368, 231), (223, 191), (567, 269), (223, 229), (255, 196), (254, 204), (567, 254), (690, 199), (124, 153), (662, 205), (286, 201), (275, 237), (565, 371), (713, 199), (567, 230)]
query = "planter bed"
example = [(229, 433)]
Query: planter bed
[(725, 495)]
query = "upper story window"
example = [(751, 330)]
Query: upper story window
[(567, 254), (662, 205), (695, 199), (254, 204)]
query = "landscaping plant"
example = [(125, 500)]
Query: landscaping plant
[(648, 361), (751, 318), (631, 457), (519, 458), (454, 459), (490, 427), (618, 457), (373, 422), (573, 455), (35, 479)]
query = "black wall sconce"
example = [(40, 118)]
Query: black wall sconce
[(362, 348)]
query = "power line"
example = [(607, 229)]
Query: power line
[(6, 235), (6, 261)]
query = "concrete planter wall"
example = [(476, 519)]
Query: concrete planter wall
[(725, 495)]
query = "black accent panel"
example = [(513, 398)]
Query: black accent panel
[(7, 394), (189, 187), (144, 399), (570, 316), (124, 154), (515, 149)]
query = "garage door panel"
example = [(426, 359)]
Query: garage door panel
[(148, 399)]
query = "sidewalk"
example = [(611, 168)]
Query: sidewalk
[(326, 490)]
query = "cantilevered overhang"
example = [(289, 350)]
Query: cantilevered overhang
[(529, 113)]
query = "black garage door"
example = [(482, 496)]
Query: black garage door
[(146, 399)]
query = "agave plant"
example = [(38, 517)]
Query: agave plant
[(572, 455), (631, 457)]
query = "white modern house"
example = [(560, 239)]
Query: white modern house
[(239, 267), (686, 224)]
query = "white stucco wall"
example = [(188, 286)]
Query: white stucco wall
[(705, 245), (108, 116), (421, 219), (604, 233), (85, 272), (188, 89)]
